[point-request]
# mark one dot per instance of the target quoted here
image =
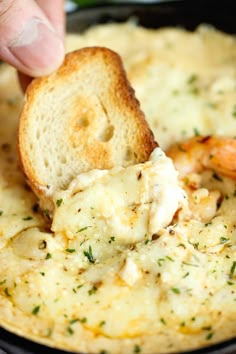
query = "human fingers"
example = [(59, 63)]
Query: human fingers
[(28, 40), (24, 80), (54, 10)]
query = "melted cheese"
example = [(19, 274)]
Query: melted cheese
[(184, 80), (125, 204)]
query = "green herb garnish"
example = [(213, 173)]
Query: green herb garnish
[(70, 250), (89, 255), (137, 349), (223, 240), (175, 290), (83, 228), (59, 202), (233, 268), (48, 256), (196, 132), (92, 291), (27, 218), (35, 310)]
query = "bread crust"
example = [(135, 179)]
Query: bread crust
[(84, 116)]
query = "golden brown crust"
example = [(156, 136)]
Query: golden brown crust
[(100, 91)]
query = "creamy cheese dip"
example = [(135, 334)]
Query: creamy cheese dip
[(132, 263)]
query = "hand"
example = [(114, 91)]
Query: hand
[(31, 36)]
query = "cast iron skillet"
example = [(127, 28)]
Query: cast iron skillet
[(187, 14)]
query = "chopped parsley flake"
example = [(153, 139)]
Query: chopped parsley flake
[(137, 348), (102, 323), (27, 218), (92, 291), (223, 240), (181, 245), (192, 78), (59, 202), (70, 250), (112, 239), (89, 255), (83, 228), (83, 320), (48, 256), (196, 132), (35, 310), (194, 91), (233, 268), (234, 111), (160, 261), (186, 275), (74, 321), (1, 212), (209, 335), (169, 258), (163, 321), (69, 331), (175, 290)]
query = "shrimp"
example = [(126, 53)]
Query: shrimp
[(199, 153), (196, 155)]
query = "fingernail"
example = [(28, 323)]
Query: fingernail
[(38, 48)]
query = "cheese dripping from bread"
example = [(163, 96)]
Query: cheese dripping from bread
[(128, 204)]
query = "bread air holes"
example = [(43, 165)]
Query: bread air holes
[(38, 134), (63, 159), (46, 163), (106, 134), (59, 172)]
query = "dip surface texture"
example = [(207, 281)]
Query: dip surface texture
[(127, 266)]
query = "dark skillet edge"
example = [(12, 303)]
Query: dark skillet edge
[(13, 344), (180, 13)]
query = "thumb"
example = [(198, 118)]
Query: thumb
[(27, 38)]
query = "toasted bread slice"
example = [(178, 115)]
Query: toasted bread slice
[(84, 116)]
